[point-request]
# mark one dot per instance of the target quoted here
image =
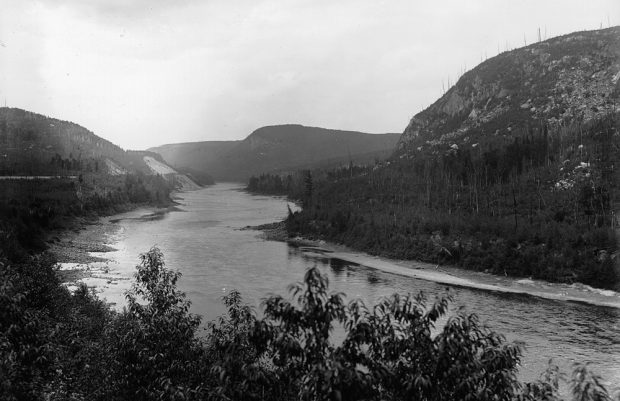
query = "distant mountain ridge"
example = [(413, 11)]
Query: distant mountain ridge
[(197, 158), (569, 79), (277, 149)]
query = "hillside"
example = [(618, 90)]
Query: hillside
[(54, 174), (514, 171), (278, 149), (194, 154), (197, 159), (562, 81), (35, 145)]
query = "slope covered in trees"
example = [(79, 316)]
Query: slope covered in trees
[(541, 205), (278, 149), (33, 144), (514, 170)]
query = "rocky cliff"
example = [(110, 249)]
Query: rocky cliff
[(558, 82)]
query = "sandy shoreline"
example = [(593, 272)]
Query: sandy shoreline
[(450, 275)]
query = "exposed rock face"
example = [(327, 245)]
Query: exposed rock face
[(113, 168), (180, 181), (556, 82)]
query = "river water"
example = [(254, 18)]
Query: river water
[(205, 242)]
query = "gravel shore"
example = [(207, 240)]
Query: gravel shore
[(271, 231), (80, 250), (75, 246)]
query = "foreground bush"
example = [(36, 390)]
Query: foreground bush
[(74, 348)]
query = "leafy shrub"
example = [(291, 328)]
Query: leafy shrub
[(312, 346), (25, 353), (152, 346)]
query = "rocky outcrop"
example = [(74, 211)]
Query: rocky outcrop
[(572, 78), (179, 181)]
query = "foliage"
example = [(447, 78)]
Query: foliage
[(586, 385), (49, 339), (311, 346), (31, 209), (153, 344), (388, 352), (546, 388), (237, 371), (25, 354)]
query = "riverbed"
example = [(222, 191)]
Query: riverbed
[(205, 238)]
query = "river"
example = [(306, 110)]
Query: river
[(204, 240)]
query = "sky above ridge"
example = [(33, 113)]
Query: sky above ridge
[(147, 72)]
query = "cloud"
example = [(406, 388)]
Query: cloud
[(142, 73), (121, 12)]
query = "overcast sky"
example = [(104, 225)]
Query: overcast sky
[(148, 72)]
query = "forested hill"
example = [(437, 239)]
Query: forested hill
[(515, 171), (52, 171), (557, 83), (34, 144), (279, 149)]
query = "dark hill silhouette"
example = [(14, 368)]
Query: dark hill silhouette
[(277, 149)]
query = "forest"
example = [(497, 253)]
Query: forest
[(542, 205), (31, 209), (55, 345)]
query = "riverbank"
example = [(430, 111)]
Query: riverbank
[(448, 275), (206, 242), (80, 250)]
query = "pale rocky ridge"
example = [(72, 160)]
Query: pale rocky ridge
[(563, 80), (181, 181)]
